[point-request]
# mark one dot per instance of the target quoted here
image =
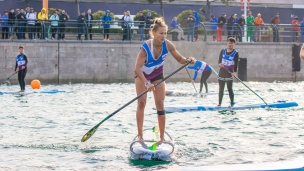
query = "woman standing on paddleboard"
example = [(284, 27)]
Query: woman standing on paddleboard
[(149, 71), (21, 64), (228, 60)]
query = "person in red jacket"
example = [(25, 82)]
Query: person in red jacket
[(295, 29)]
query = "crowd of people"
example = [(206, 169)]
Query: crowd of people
[(43, 26)]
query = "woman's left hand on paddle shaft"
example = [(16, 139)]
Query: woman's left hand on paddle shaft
[(233, 74), (150, 87), (192, 81), (190, 60)]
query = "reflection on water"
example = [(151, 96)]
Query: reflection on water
[(43, 131)]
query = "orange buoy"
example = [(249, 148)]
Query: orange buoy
[(35, 84)]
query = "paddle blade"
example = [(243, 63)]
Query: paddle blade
[(88, 134), (6, 81)]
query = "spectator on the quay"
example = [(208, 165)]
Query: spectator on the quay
[(27, 10), (302, 30), (176, 28), (81, 24), (11, 22), (235, 26), (239, 32), (17, 11), (89, 18), (124, 37), (250, 26), (42, 19), (63, 18), (213, 21), (258, 22), (4, 23), (295, 29), (54, 25), (276, 21), (31, 18), (128, 23), (220, 27), (149, 22), (141, 25), (106, 22), (196, 25), (21, 24), (190, 23), (230, 25)]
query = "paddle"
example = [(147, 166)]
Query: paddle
[(247, 86), (93, 130), (190, 78), (7, 80)]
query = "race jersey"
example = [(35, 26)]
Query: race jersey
[(154, 66), (199, 67), (21, 61), (228, 60)]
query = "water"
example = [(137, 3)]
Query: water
[(43, 131)]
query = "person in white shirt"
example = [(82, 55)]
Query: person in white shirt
[(128, 20), (31, 19)]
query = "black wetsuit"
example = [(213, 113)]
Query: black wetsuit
[(224, 76), (22, 72)]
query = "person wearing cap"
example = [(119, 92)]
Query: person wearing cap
[(106, 23), (190, 23), (54, 25), (89, 18), (81, 24), (11, 22), (220, 27), (276, 21), (21, 24), (258, 22), (128, 23), (149, 22), (31, 18), (295, 29), (250, 26)]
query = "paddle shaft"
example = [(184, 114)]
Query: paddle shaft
[(93, 130), (190, 78), (246, 86)]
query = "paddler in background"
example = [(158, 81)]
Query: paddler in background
[(21, 63), (205, 69), (228, 61)]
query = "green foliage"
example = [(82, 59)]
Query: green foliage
[(154, 14), (159, 1), (227, 2), (203, 10), (182, 17)]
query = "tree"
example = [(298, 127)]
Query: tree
[(77, 7), (226, 2), (182, 17), (161, 5)]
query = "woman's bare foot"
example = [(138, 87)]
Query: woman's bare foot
[(140, 137)]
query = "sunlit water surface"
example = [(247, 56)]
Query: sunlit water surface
[(43, 131)]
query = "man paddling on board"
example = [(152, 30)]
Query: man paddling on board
[(149, 71), (21, 63), (205, 69), (228, 60)]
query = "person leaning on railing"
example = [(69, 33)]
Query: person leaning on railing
[(11, 22), (89, 18), (276, 21), (31, 18), (141, 26), (42, 19), (176, 28), (220, 27), (81, 24), (213, 21), (258, 22)]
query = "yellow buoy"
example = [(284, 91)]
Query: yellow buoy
[(35, 84)]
